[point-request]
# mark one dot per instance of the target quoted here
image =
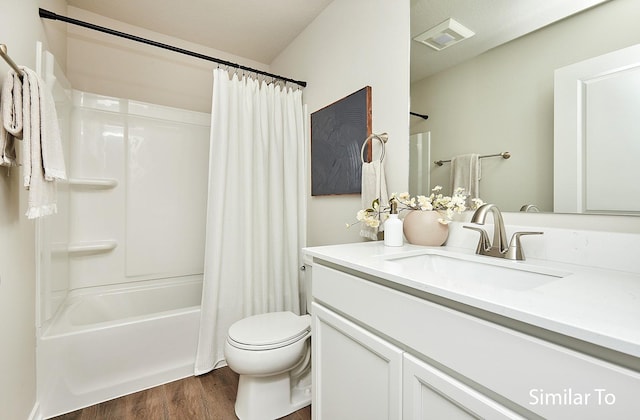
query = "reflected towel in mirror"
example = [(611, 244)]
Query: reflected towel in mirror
[(466, 173)]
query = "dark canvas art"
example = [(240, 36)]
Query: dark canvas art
[(337, 133)]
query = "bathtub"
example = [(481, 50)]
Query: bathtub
[(105, 342)]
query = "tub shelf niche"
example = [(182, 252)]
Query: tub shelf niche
[(94, 183), (91, 247)]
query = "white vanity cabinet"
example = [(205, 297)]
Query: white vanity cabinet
[(383, 352), (357, 374), (429, 393)]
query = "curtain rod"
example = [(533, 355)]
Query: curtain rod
[(423, 116), (46, 14)]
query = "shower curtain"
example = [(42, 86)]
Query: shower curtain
[(255, 226)]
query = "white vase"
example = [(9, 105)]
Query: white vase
[(423, 228)]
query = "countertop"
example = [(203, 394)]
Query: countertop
[(595, 305)]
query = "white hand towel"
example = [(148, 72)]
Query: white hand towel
[(11, 110), (42, 157), (374, 186), (465, 173), (7, 148)]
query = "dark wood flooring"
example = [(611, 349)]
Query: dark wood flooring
[(206, 397)]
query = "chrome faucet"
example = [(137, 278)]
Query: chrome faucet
[(530, 208), (498, 247)]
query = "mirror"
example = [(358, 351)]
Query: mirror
[(494, 91), (596, 134)]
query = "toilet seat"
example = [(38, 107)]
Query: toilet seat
[(269, 331)]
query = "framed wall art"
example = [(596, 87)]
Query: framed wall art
[(337, 133)]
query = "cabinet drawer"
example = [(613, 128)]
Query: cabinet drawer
[(542, 377)]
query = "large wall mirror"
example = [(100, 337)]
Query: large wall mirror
[(494, 91), (597, 134)]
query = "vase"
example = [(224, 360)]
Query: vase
[(423, 228)]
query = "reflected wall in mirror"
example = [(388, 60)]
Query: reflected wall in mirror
[(502, 100), (596, 132)]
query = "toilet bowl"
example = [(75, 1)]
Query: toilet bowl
[(271, 353)]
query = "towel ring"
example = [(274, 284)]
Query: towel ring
[(381, 137)]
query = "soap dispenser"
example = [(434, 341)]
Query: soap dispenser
[(393, 227)]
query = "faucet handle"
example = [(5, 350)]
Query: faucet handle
[(483, 243), (515, 251)]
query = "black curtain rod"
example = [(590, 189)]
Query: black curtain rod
[(424, 117), (46, 14)]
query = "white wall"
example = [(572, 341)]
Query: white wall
[(503, 101), (20, 28), (352, 44)]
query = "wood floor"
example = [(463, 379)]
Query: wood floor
[(205, 397)]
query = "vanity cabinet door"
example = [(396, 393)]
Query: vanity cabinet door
[(431, 394), (356, 375)]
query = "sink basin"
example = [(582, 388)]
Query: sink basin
[(454, 267)]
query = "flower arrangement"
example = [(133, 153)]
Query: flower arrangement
[(447, 206)]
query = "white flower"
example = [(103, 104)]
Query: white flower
[(372, 222), (449, 213), (477, 202), (404, 196), (436, 201), (424, 203)]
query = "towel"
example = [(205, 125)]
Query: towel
[(11, 118), (42, 156), (7, 148), (465, 173), (374, 185)]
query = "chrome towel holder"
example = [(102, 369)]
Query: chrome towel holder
[(504, 155), (10, 62), (383, 138)]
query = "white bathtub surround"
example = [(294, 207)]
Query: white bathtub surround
[(120, 266), (106, 342), (255, 208), (133, 167)]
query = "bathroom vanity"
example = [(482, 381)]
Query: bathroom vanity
[(420, 332)]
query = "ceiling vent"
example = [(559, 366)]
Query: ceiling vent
[(444, 35)]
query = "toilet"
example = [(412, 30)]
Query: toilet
[(272, 354)]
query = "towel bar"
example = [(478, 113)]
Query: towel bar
[(504, 155), (10, 62), (383, 139)]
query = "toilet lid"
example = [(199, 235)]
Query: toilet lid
[(270, 330)]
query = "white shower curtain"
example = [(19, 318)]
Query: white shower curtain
[(255, 211)]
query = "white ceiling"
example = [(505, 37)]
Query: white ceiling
[(493, 21), (259, 30), (255, 29)]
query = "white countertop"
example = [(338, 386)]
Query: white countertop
[(595, 305)]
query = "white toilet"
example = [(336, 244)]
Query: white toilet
[(272, 354)]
